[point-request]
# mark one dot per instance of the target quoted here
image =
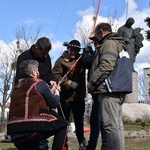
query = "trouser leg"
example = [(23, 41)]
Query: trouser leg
[(78, 108), (59, 139), (95, 119), (28, 146), (112, 120), (65, 110), (96, 127), (30, 142)]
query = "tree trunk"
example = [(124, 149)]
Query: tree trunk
[(2, 121)]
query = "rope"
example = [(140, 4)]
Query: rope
[(73, 66), (60, 18), (62, 112)]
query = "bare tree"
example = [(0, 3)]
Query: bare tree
[(5, 85), (23, 42), (113, 21), (82, 33)]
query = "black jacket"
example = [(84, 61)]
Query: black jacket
[(45, 65)]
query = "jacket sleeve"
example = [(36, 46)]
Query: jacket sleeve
[(50, 74), (51, 100), (105, 62), (87, 60), (22, 57), (58, 74), (57, 70)]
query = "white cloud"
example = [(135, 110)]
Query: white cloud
[(29, 21), (144, 52), (89, 11), (139, 17), (39, 21), (132, 6), (4, 49), (57, 50)]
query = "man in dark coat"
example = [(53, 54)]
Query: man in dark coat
[(73, 89), (95, 116), (31, 118), (39, 52)]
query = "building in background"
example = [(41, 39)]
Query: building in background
[(147, 85)]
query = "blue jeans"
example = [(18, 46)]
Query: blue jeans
[(95, 125), (43, 144)]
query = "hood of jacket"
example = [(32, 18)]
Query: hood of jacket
[(114, 36), (67, 57)]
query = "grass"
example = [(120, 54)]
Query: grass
[(136, 126), (130, 143), (137, 144)]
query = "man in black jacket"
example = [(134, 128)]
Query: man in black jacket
[(39, 52), (95, 116)]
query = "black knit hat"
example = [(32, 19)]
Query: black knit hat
[(73, 43)]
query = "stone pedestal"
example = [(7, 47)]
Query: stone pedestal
[(133, 97)]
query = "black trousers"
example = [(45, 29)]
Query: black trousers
[(32, 141), (77, 108)]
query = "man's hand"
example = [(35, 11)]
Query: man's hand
[(90, 87), (52, 83), (56, 89), (74, 85)]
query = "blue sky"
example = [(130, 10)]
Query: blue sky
[(57, 16), (60, 14)]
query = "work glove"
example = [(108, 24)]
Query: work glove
[(74, 85)]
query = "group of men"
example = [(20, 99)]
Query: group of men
[(40, 89)]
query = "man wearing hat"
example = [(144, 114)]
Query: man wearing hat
[(69, 73)]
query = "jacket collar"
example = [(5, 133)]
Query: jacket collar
[(66, 57), (114, 36)]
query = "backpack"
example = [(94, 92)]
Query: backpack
[(120, 79)]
